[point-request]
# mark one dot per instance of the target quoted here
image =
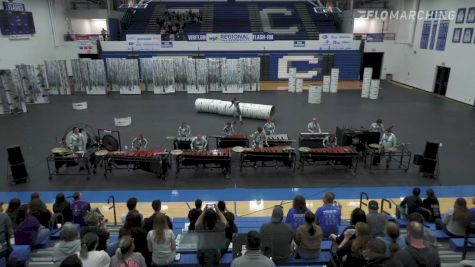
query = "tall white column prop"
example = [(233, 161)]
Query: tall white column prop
[(315, 95), (248, 110), (374, 91), (367, 74), (292, 81), (298, 85), (334, 80), (326, 83)]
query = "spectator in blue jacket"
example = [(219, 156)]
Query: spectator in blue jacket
[(328, 216), (296, 214)]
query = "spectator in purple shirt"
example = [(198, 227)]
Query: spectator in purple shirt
[(29, 230), (328, 216), (80, 209), (296, 214)]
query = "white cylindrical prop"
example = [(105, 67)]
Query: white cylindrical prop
[(248, 110), (367, 74), (121, 122), (315, 95), (374, 91), (299, 85), (334, 80), (326, 83), (292, 81), (80, 105)]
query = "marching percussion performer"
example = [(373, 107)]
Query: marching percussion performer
[(184, 130), (236, 110), (199, 143), (377, 127), (269, 127), (259, 138), (388, 140), (76, 140), (228, 129), (139, 143), (313, 126)]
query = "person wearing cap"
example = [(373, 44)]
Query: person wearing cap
[(313, 126), (68, 245), (253, 255), (377, 127), (376, 221), (5, 225), (277, 236)]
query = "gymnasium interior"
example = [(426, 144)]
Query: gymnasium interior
[(257, 104)]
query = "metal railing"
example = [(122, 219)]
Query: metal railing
[(109, 200), (384, 200), (363, 194)]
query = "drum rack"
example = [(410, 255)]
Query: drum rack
[(401, 156), (59, 161), (250, 159), (208, 163), (156, 165), (308, 159)]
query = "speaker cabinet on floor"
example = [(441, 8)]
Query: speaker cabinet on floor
[(17, 166)]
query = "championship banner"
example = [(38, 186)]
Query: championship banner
[(340, 41), (144, 42), (10, 6), (229, 37)]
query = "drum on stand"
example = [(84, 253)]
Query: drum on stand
[(238, 149), (304, 149), (176, 152)]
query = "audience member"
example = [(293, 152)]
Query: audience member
[(194, 213), (211, 220), (357, 215), (418, 252), (410, 204), (61, 206), (28, 229), (296, 214), (133, 228), (39, 210), (89, 256), (277, 237), (353, 249), (161, 242), (93, 225), (431, 203), (12, 210), (336, 203), (376, 220), (308, 238), (457, 219), (392, 239), (68, 245), (6, 228), (231, 227), (429, 237), (71, 261), (472, 210), (36, 196), (328, 216), (148, 222), (375, 255), (80, 209), (131, 207), (253, 256), (125, 255)]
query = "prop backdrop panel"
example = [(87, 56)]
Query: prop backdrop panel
[(96, 76), (58, 79), (34, 83), (12, 99), (232, 76), (163, 76), (79, 81), (123, 75)]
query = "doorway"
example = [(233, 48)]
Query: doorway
[(441, 80), (372, 60)]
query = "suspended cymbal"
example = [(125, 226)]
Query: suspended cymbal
[(304, 149)]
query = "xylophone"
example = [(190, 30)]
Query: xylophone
[(339, 155), (216, 158), (155, 161), (277, 156), (182, 142), (232, 141), (278, 140)]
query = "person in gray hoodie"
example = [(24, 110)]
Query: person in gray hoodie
[(277, 237), (69, 244)]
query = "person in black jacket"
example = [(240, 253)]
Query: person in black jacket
[(410, 204), (357, 215), (231, 227), (431, 203), (61, 206), (349, 253), (194, 214), (375, 255), (38, 209), (93, 225), (133, 228), (148, 222)]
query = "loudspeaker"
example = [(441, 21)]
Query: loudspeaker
[(431, 150), (14, 155), (17, 165)]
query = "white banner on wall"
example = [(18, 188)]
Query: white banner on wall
[(229, 37), (339, 41), (144, 42)]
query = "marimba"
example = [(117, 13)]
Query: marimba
[(278, 156), (216, 158), (232, 141), (278, 140), (154, 161), (339, 155)]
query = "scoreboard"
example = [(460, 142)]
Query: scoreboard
[(16, 22)]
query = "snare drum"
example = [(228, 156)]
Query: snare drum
[(375, 146), (60, 150)]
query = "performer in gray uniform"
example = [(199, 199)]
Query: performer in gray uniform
[(236, 110), (76, 140), (199, 143), (184, 130), (330, 141), (259, 138), (377, 127), (388, 140), (269, 127), (313, 126), (139, 143), (228, 129)]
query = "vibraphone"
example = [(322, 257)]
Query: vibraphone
[(182, 142), (340, 155), (216, 158), (154, 161), (70, 159), (278, 156), (395, 158), (312, 140), (278, 140), (232, 141)]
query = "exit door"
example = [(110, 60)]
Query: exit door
[(441, 80)]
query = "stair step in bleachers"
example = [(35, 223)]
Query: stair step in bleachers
[(456, 244)]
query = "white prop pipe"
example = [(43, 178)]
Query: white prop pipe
[(248, 110)]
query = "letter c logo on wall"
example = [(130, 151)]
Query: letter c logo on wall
[(266, 24), (283, 70)]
